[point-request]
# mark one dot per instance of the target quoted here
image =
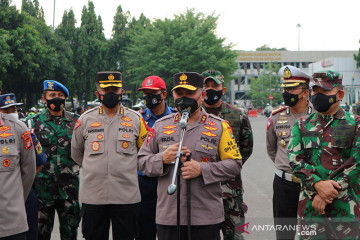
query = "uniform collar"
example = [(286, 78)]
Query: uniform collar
[(149, 114), (48, 117), (224, 109), (340, 114)]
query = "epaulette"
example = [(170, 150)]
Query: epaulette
[(90, 110), (216, 117), (277, 110), (166, 117), (133, 111)]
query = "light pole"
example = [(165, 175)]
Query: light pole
[(53, 28), (298, 26)]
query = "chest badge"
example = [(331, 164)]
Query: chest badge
[(169, 132), (205, 159), (126, 136), (212, 123), (95, 146), (125, 145), (127, 124), (209, 134), (126, 119), (169, 127), (6, 150), (100, 136), (207, 147), (95, 124), (4, 134), (166, 146), (283, 143), (210, 128), (6, 163)]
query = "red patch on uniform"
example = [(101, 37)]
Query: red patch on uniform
[(177, 117), (6, 162), (150, 135), (268, 124), (203, 118), (77, 124), (27, 139), (100, 136), (204, 159)]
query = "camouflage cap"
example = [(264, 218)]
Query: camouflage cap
[(213, 74), (327, 79)]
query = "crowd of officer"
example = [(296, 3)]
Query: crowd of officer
[(129, 159)]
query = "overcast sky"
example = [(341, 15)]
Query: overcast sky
[(326, 24)]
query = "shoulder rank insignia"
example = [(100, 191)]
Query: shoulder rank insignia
[(277, 110), (95, 124), (309, 110), (101, 110), (177, 117), (203, 118), (121, 110), (126, 119)]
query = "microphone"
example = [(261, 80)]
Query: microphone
[(185, 114)]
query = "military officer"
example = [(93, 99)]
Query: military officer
[(286, 187), (324, 153), (105, 143), (154, 92), (57, 184), (235, 208), (17, 173), (9, 107), (215, 158)]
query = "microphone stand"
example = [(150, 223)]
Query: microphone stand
[(172, 187)]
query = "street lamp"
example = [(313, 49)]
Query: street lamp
[(53, 28), (298, 26)]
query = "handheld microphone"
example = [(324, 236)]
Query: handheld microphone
[(185, 114)]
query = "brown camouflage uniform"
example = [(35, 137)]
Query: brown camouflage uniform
[(234, 206)]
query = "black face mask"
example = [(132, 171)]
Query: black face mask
[(151, 101), (290, 99), (322, 102), (212, 96), (186, 103), (110, 100), (55, 104)]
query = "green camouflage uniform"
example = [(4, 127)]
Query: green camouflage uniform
[(327, 148), (57, 185), (235, 208)]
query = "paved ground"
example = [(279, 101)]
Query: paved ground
[(258, 174)]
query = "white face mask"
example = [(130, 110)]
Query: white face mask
[(14, 115)]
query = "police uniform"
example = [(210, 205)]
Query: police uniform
[(148, 185), (327, 147), (286, 187), (17, 173), (212, 143), (57, 184), (106, 148), (234, 206)]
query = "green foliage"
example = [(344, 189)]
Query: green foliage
[(266, 47), (266, 84), (32, 8), (186, 43), (357, 58)]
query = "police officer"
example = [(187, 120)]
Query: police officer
[(215, 158), (235, 208), (57, 184), (105, 143), (17, 172), (31, 205), (154, 92), (286, 187), (324, 153)]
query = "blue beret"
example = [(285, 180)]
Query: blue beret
[(52, 85), (8, 100)]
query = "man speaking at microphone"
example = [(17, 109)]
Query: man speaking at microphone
[(215, 157)]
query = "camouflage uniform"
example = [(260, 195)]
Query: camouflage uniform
[(234, 206), (327, 148), (57, 184)]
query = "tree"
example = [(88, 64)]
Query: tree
[(32, 7), (266, 84), (186, 43), (357, 58), (266, 47)]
